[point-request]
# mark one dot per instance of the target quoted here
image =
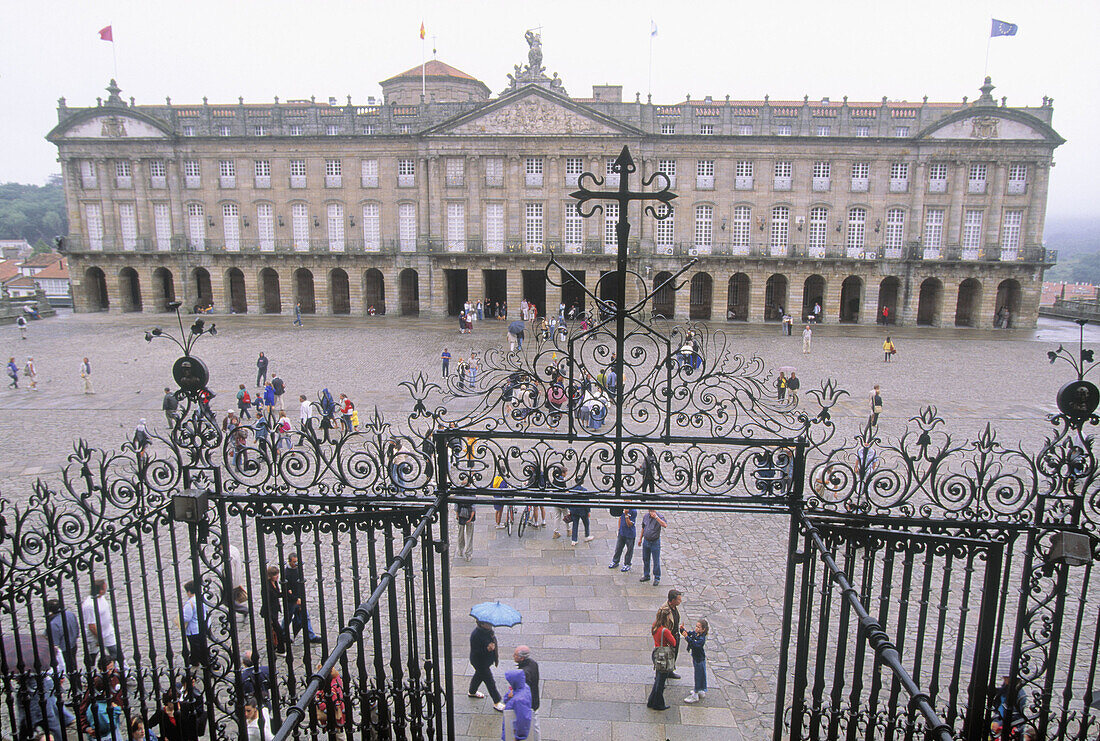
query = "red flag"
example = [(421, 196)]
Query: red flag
[(421, 29), (105, 34)]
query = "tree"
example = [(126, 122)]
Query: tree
[(32, 212)]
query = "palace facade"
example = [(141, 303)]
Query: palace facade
[(443, 193)]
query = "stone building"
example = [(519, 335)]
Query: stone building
[(443, 193)]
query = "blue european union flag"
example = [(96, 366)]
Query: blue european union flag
[(1003, 28)]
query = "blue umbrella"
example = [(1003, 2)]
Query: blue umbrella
[(516, 327), (495, 613)]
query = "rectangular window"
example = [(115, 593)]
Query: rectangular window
[(706, 129), (406, 173), (533, 172), (231, 226), (901, 132), (861, 177), (494, 227), (610, 222), (822, 176), (331, 130), (783, 130), (611, 178), (857, 231), (336, 227), (334, 173), (742, 229), (704, 226), (260, 130), (494, 172), (93, 225), (87, 174), (668, 167), (937, 177), (261, 173), (191, 174), (972, 233), (370, 130), (127, 225), (368, 173), (781, 175), (533, 228), (297, 173), (822, 130), (666, 229), (456, 172), (863, 131), (895, 232), (1010, 234), (899, 177), (668, 129), (224, 131), (188, 130), (704, 175), (123, 174), (158, 174), (406, 226), (372, 228), (404, 129), (743, 179), (933, 230), (574, 166), (265, 226), (227, 174), (295, 129), (744, 130), (162, 226), (819, 224), (196, 226), (456, 226), (1017, 179), (299, 226), (976, 180), (780, 229), (574, 227)]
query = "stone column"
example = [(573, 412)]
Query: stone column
[(869, 312), (795, 284), (514, 291), (218, 293), (988, 305), (321, 293), (830, 311), (475, 284), (758, 285), (682, 301), (719, 299), (355, 290), (950, 303), (254, 288)]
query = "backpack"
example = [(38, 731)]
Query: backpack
[(465, 513), (245, 398)]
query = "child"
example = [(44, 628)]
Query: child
[(695, 640)]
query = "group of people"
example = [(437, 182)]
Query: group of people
[(668, 636), (520, 704), (30, 374)]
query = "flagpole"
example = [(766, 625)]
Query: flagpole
[(114, 55), (649, 91), (988, 39), (423, 83)]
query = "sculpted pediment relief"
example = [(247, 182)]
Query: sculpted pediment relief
[(984, 126), (113, 126), (533, 115)]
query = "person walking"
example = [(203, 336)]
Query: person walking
[(86, 374), (193, 617), (21, 322), (530, 668), (517, 706), (63, 628), (793, 384), (627, 533), (170, 405), (261, 370), (269, 399), (696, 640), (297, 314), (282, 432), (483, 657), (446, 358), (31, 373), (305, 418), (99, 622), (876, 407), (272, 608), (663, 636), (465, 516), (13, 374), (669, 614), (579, 515), (781, 386), (244, 403), (888, 350), (280, 388), (650, 541), (297, 616), (807, 340)]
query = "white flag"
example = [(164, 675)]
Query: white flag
[(652, 28)]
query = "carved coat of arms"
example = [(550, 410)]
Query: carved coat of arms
[(985, 127), (113, 127)]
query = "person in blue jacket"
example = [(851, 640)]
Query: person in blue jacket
[(518, 700)]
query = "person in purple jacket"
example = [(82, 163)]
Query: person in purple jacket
[(517, 700)]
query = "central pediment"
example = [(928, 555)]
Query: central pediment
[(533, 112)]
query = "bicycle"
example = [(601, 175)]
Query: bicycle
[(509, 517), (524, 521)]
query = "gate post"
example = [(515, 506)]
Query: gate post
[(442, 461), (795, 500)]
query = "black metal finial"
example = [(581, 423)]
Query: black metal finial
[(189, 372), (1077, 400)]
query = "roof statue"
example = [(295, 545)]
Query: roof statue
[(533, 73)]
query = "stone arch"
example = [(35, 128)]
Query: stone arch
[(95, 290), (129, 289), (737, 303), (164, 288), (234, 291), (775, 298), (303, 291), (888, 291), (930, 302), (969, 304), (851, 299), (1009, 296), (374, 291), (204, 296), (339, 291), (813, 294), (664, 298), (271, 301), (700, 299), (408, 292)]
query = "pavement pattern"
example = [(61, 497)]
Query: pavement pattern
[(587, 625)]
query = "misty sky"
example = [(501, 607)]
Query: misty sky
[(260, 50)]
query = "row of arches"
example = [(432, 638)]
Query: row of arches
[(271, 297)]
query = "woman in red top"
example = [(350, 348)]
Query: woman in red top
[(662, 636)]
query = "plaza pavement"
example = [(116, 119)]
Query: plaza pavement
[(586, 625)]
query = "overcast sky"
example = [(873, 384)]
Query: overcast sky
[(260, 50)]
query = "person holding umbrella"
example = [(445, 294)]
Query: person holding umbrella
[(515, 335), (483, 647)]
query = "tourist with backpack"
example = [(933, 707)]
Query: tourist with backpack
[(244, 402), (465, 514)]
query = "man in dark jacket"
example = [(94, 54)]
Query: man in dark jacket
[(261, 370), (296, 614), (530, 667), (280, 389), (255, 680), (170, 405), (483, 657)]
